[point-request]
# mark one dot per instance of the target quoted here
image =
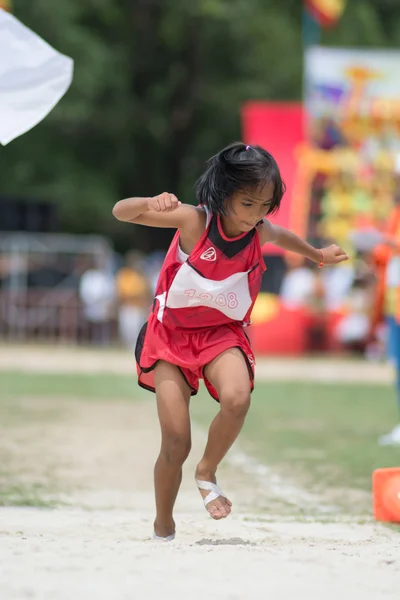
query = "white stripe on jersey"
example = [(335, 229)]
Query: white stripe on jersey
[(231, 296)]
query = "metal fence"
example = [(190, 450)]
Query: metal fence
[(31, 311)]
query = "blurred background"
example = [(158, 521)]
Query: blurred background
[(160, 86)]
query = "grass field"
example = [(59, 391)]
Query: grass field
[(322, 436)]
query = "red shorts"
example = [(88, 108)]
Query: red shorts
[(190, 350)]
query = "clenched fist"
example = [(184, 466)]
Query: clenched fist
[(164, 202), (334, 255)]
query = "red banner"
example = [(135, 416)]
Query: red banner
[(277, 127)]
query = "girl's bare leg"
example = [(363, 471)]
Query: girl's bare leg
[(229, 374), (173, 395)]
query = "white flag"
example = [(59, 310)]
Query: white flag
[(33, 78)]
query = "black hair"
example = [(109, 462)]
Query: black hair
[(238, 167)]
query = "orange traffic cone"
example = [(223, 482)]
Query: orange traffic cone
[(386, 494)]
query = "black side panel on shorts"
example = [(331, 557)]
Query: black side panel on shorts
[(140, 343)]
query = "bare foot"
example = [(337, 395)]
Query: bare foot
[(219, 508), (164, 529)]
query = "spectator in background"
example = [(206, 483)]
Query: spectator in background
[(337, 286), (97, 294), (303, 288), (353, 330), (134, 298), (297, 287), (152, 268)]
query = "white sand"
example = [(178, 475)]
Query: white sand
[(98, 459), (70, 554)]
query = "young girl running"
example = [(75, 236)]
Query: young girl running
[(205, 294)]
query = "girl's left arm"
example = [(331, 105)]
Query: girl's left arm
[(274, 234)]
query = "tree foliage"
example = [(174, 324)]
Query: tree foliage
[(158, 88)]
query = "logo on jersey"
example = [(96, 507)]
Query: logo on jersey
[(209, 255)]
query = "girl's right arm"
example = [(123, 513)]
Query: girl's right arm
[(164, 210)]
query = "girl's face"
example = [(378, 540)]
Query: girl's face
[(247, 208)]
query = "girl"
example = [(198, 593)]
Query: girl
[(205, 294)]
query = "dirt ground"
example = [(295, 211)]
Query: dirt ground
[(97, 458), (61, 359)]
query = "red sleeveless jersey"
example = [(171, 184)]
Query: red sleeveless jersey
[(202, 303), (218, 283)]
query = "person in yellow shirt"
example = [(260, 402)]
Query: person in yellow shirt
[(134, 299)]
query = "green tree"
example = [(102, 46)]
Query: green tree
[(158, 88)]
